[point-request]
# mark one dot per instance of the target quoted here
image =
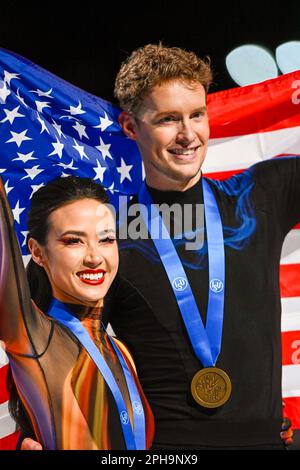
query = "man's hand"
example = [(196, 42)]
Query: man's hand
[(30, 444), (286, 432)]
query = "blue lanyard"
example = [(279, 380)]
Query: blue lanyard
[(134, 439), (206, 342)]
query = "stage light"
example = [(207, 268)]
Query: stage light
[(251, 64), (288, 56)]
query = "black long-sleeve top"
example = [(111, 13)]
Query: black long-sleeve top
[(258, 208)]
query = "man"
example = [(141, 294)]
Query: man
[(163, 94)]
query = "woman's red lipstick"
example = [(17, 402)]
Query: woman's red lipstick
[(93, 277)]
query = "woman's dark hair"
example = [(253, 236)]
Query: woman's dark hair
[(53, 195), (47, 199)]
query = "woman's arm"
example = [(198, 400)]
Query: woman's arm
[(18, 316)]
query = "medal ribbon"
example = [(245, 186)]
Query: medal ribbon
[(206, 342), (135, 440)]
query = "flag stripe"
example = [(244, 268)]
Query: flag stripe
[(7, 425), (291, 381), (290, 280), (4, 395), (221, 175), (290, 305), (9, 442), (290, 321), (291, 347), (292, 408), (291, 248), (3, 356), (270, 105), (239, 152)]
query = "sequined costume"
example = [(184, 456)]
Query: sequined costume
[(65, 396)]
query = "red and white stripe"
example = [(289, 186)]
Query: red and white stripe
[(8, 435), (290, 325), (248, 125)]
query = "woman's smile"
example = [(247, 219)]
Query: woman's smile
[(92, 276)]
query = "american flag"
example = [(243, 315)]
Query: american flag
[(49, 128)]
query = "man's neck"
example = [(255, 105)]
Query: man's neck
[(168, 184)]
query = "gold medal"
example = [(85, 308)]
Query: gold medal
[(211, 387)]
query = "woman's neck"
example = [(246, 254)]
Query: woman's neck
[(90, 318)]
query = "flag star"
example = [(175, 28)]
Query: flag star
[(35, 187), (57, 127), (99, 170), (4, 93), (143, 171), (10, 76), (44, 94), (25, 233), (7, 188), (11, 115), (58, 148), (2, 170), (43, 124), (69, 118), (32, 172), (17, 211), (81, 130), (104, 149), (67, 167), (24, 157), (40, 105), (80, 150), (18, 137), (111, 188), (74, 110), (21, 99), (124, 171), (64, 175), (104, 123)]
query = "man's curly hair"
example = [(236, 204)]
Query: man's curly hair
[(152, 65)]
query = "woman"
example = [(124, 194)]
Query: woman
[(74, 397)]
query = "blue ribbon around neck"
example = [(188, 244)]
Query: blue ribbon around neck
[(206, 341), (135, 439)]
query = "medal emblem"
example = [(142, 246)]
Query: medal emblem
[(211, 387)]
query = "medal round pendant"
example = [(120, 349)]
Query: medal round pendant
[(211, 387)]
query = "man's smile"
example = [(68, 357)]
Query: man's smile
[(183, 153)]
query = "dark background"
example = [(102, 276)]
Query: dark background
[(84, 42)]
